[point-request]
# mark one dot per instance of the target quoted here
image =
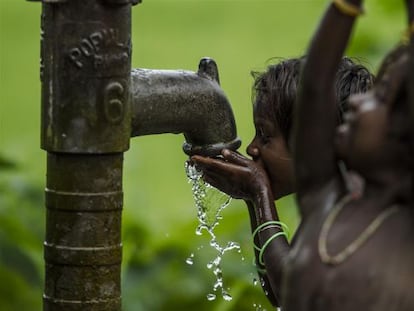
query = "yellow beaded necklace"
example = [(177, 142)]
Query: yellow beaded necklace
[(355, 244)]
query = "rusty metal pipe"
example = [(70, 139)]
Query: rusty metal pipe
[(179, 101), (86, 125), (89, 113), (83, 249)]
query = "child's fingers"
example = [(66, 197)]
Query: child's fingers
[(211, 164), (235, 157)]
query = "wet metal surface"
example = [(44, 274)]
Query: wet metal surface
[(85, 74), (91, 106), (179, 101)]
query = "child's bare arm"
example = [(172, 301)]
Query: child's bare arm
[(315, 115)]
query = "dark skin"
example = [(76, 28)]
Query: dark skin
[(270, 166), (308, 283), (247, 179), (378, 274)]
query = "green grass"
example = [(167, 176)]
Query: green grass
[(159, 218)]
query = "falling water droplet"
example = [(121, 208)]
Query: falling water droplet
[(190, 260), (259, 307), (210, 202), (211, 297), (227, 296)]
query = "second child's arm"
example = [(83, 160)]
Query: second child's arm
[(315, 110)]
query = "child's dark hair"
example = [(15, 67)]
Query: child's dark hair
[(351, 78), (278, 86)]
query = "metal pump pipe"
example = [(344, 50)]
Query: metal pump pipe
[(179, 101), (86, 126), (89, 112)]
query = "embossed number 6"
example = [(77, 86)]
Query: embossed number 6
[(113, 104)]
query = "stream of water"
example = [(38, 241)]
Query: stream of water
[(210, 202)]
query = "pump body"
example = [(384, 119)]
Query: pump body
[(92, 104)]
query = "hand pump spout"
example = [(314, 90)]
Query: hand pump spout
[(178, 101)]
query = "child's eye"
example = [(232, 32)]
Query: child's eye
[(264, 137)]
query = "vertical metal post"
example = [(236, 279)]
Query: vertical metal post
[(86, 121), (86, 126)]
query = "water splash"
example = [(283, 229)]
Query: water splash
[(190, 260), (258, 307), (209, 203), (259, 281)]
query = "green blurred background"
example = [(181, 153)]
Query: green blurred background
[(159, 218)]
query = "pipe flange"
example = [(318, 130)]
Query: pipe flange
[(211, 150)]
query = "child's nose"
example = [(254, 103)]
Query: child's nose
[(252, 150)]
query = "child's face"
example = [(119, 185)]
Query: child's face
[(360, 139), (269, 149), (367, 140)]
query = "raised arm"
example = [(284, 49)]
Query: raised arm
[(315, 111)]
